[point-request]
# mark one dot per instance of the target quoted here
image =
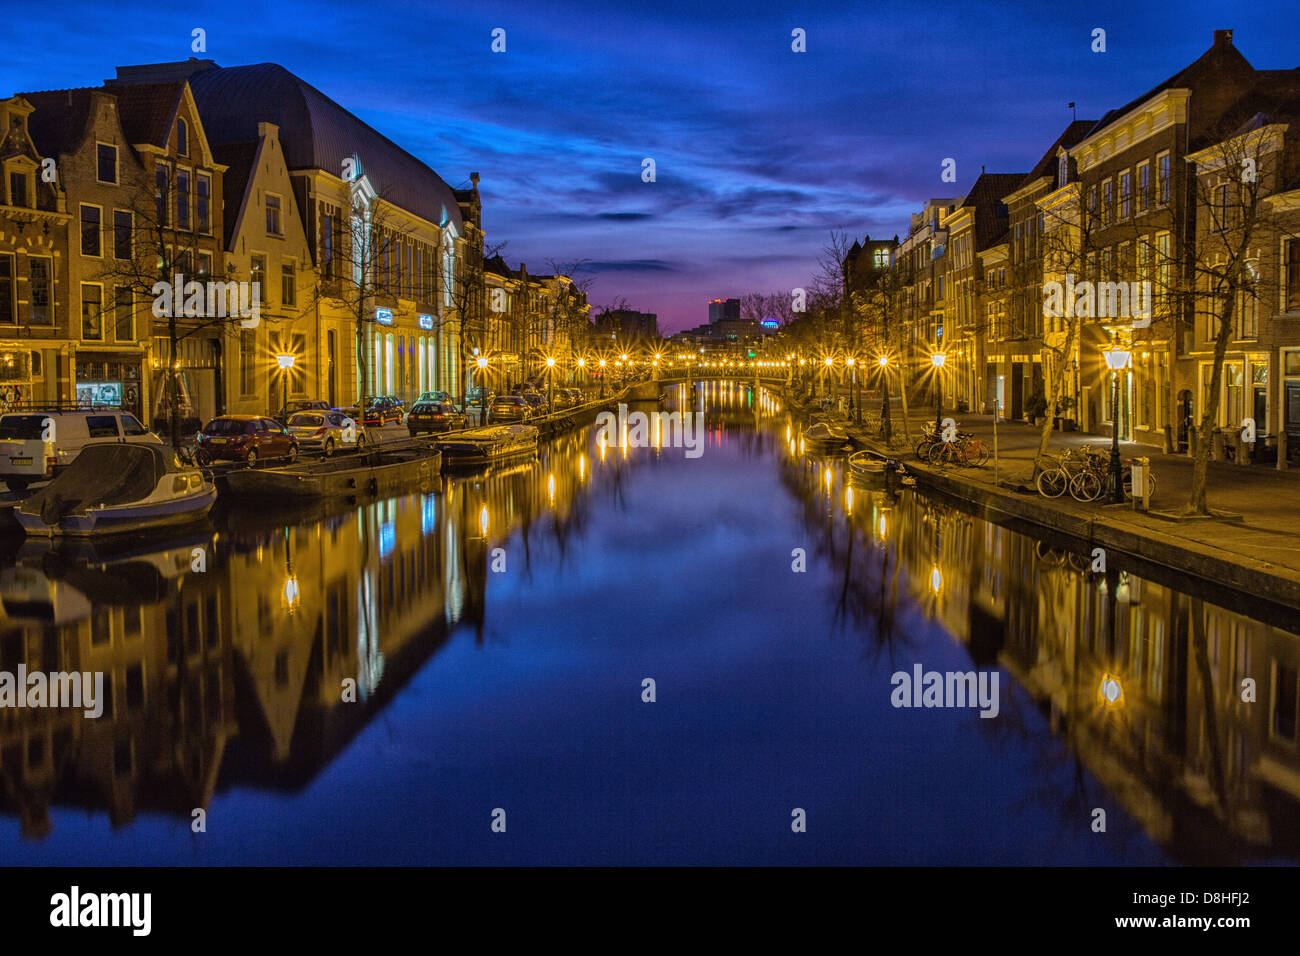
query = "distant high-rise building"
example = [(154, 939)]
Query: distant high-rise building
[(721, 310)]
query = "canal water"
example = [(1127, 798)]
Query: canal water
[(618, 655)]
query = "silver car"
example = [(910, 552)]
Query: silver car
[(326, 431)]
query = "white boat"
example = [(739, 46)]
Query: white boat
[(483, 446), (113, 488)]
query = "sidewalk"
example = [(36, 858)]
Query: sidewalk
[(1256, 548)]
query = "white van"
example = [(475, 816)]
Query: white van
[(36, 445)]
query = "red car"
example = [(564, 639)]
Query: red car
[(246, 438)]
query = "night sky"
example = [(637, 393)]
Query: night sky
[(760, 151)]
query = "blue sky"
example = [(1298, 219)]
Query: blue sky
[(759, 151)]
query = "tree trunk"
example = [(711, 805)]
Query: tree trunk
[(1196, 501), (173, 387), (1054, 385)]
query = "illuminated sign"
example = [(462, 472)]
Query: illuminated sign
[(426, 322), (384, 316), (771, 324)]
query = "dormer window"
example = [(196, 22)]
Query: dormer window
[(18, 189), (182, 138), (1063, 170)]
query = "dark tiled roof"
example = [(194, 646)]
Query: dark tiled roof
[(1220, 61), (1074, 133), (497, 266), (59, 123), (147, 111), (986, 198), (316, 133), (240, 157)]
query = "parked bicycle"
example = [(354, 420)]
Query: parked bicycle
[(1055, 481)]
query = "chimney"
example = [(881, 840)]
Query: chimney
[(1222, 38)]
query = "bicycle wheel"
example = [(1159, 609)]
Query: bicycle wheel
[(923, 449), (1085, 486), (1052, 483), (977, 453), (942, 453)]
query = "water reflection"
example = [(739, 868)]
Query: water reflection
[(1142, 678), (256, 667)]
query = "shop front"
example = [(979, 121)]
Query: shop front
[(110, 379), (19, 373)]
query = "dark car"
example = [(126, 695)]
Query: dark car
[(509, 408), (300, 405), (382, 409), (479, 395), (434, 417), (246, 438), (535, 399)]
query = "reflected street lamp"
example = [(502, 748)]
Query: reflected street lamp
[(1117, 359)]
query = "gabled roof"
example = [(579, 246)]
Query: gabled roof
[(1219, 62), (315, 132), (59, 122), (147, 111)]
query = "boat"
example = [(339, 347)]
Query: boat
[(116, 488), (381, 471), (867, 465), (823, 439), (484, 446)]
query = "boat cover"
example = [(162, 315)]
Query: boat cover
[(104, 474)]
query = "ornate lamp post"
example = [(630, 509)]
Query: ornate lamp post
[(482, 364), (285, 361), (937, 358), (885, 424), (1117, 359)]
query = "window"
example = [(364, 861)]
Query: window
[(246, 383), (90, 216), (1292, 275), (92, 306), (882, 258), (40, 307), (257, 273), (1125, 194), (205, 264), (182, 138), (123, 314), (1164, 270), (288, 284), (161, 177), (106, 162), (8, 310), (272, 215), (131, 426), (327, 245), (1163, 172), (101, 426), (202, 201), (122, 223), (1092, 206), (18, 189), (1107, 202), (1063, 170), (182, 199), (1144, 186)]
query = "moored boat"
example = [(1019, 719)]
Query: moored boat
[(823, 439), (115, 488), (482, 446), (379, 472)]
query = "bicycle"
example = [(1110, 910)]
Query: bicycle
[(1053, 482)]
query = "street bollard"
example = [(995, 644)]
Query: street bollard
[(1138, 477)]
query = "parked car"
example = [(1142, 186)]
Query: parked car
[(535, 399), (379, 410), (434, 417), (437, 397), (561, 398), (480, 395), (509, 408), (326, 431), (575, 396), (36, 445), (246, 438), (299, 405)]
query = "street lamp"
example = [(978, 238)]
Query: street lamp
[(1117, 359), (285, 362), (853, 387), (482, 364), (886, 427), (937, 358), (602, 378), (550, 364), (830, 380)]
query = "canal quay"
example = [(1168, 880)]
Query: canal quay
[(626, 651)]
